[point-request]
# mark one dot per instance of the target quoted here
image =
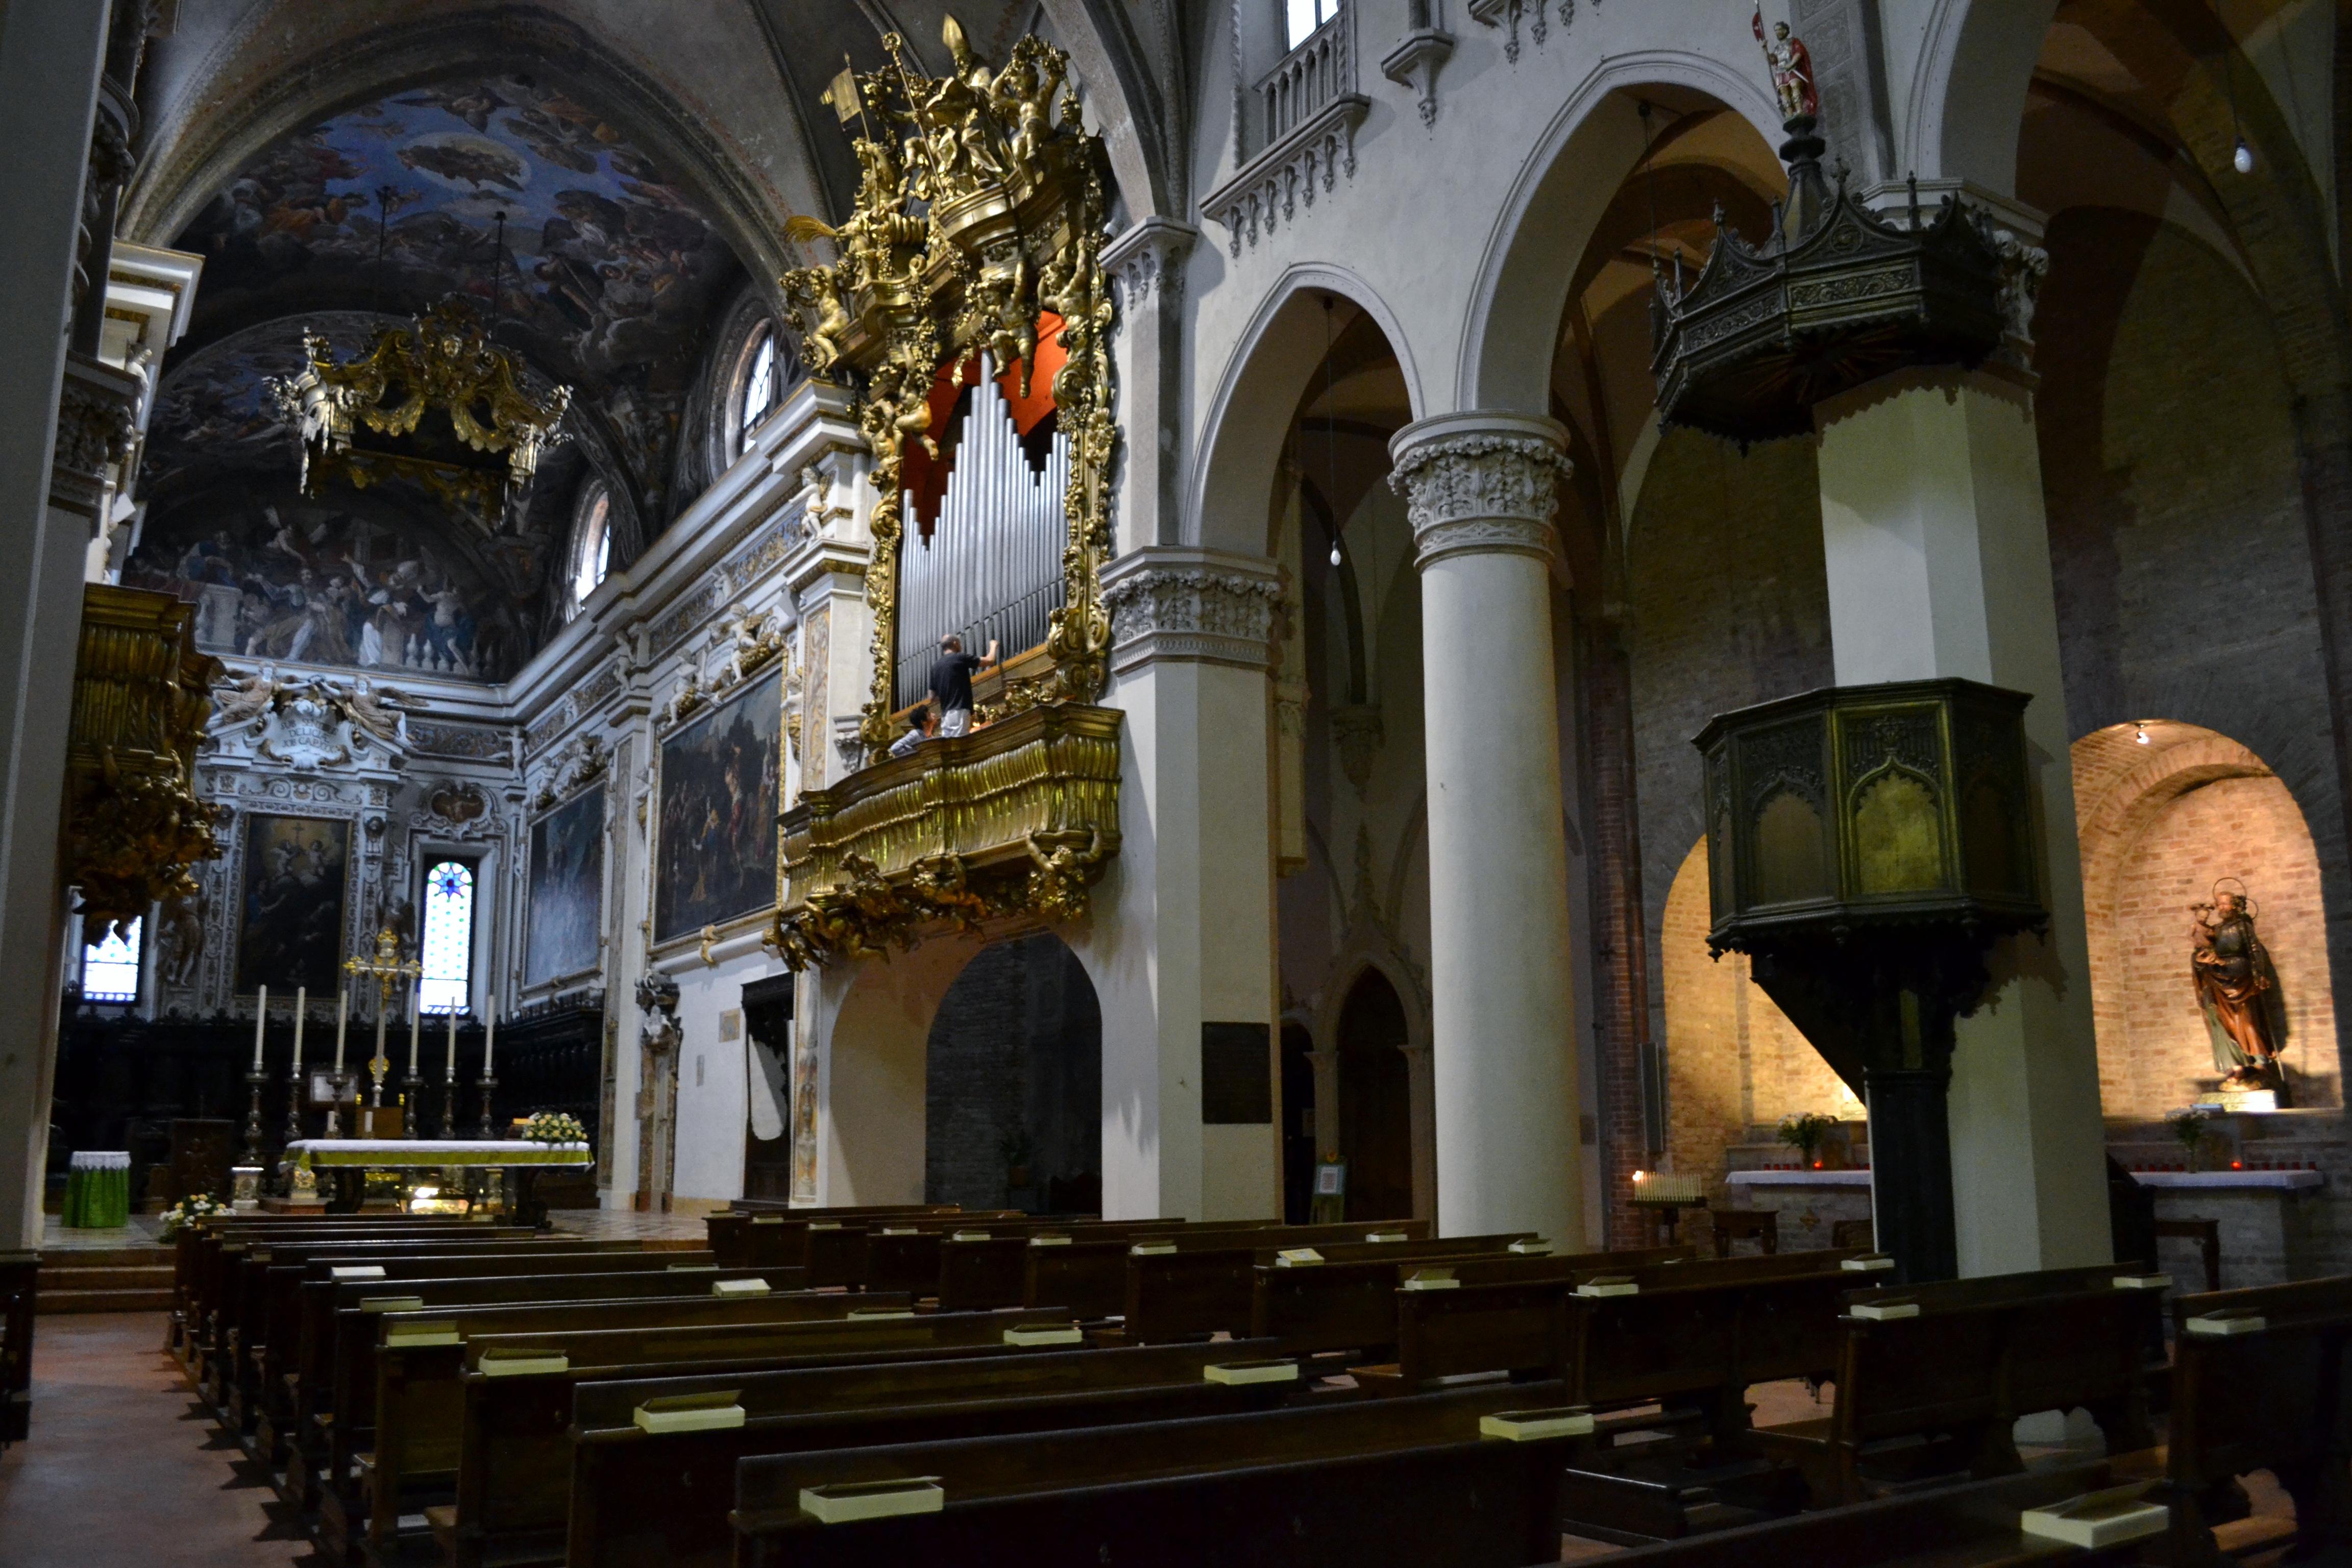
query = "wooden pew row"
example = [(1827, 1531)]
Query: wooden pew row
[(2278, 1399), (1971, 1525), (1349, 1304), (299, 1373), (1939, 1392), (1089, 1277), (779, 1236), (198, 1286), (264, 1317), (1199, 1290), (404, 1431), (969, 1265), (1380, 1481), (301, 1300), (189, 1251), (197, 1248), (514, 1449), (635, 1495)]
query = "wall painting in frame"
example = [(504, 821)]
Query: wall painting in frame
[(290, 916), (565, 903), (715, 847)]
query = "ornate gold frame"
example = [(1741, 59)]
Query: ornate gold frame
[(978, 211)]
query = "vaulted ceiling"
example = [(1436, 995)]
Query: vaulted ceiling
[(340, 166)]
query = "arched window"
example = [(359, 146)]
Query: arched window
[(449, 949), (762, 370), (1301, 17), (592, 547), (110, 966)]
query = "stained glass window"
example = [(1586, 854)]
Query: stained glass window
[(110, 966), (448, 954)]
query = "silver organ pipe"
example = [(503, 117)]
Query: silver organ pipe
[(993, 565)]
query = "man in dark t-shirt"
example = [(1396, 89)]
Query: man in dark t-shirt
[(951, 682)]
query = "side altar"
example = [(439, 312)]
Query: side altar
[(473, 1175)]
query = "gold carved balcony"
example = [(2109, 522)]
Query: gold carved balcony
[(141, 694), (1019, 818)]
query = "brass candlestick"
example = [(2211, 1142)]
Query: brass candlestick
[(449, 1107), (294, 1104), (486, 1085), (256, 1077)]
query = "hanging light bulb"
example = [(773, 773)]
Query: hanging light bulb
[(1335, 553), (2243, 160)]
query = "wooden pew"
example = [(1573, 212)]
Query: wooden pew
[(197, 1243), (226, 1299), (1938, 1393), (2275, 1399), (260, 1344), (417, 1402), (296, 1362), (1383, 1481), (1202, 1288), (635, 1496), (1969, 1525), (1088, 1273), (773, 1238), (1347, 1304), (986, 1266)]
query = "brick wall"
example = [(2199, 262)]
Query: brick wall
[(1734, 1062), (1016, 1049)]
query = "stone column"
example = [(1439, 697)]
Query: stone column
[(1938, 564), (50, 59), (1183, 932), (1146, 264), (1480, 490)]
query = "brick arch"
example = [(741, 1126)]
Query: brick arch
[(1735, 1064), (2159, 822)]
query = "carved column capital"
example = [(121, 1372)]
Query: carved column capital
[(1480, 484), (1174, 601)]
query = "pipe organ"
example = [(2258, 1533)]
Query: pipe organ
[(992, 565)]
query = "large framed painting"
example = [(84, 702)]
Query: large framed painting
[(565, 902), (716, 845), (290, 919)]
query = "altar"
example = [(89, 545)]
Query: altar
[(490, 1174)]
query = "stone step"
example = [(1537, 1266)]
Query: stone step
[(107, 1257), (73, 1277), (57, 1301)]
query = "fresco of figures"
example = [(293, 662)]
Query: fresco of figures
[(608, 270), (717, 843), (566, 900), (315, 583), (290, 918)]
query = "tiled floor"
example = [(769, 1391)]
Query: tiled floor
[(123, 1470), (620, 1224)]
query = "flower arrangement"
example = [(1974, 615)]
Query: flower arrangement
[(2188, 1124), (188, 1210), (1806, 1131), (553, 1127)]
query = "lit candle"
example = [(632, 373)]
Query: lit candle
[(452, 1044), (302, 1005), (416, 1021), (491, 1035), (261, 1017), (342, 1018)]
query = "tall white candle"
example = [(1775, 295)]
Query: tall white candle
[(302, 1005), (491, 1035), (342, 1018), (416, 1020), (452, 1044), (261, 1017)]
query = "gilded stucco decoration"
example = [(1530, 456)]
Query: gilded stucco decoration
[(979, 219), (141, 695)]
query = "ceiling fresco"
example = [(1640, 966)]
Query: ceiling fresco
[(607, 280)]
